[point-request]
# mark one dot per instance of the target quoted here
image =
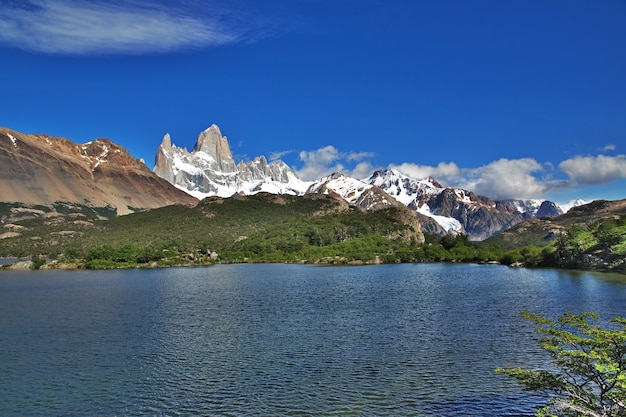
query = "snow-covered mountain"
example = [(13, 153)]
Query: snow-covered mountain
[(415, 194), (573, 203), (536, 208), (527, 206), (453, 209), (356, 192), (409, 191), (209, 170), (441, 210)]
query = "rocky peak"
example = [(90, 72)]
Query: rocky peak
[(166, 143), (358, 193), (209, 170), (548, 209), (409, 191), (212, 143), (208, 139), (431, 180)]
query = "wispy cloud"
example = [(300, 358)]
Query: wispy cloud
[(358, 156), (274, 156), (100, 27)]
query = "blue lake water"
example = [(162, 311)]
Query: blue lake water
[(281, 340)]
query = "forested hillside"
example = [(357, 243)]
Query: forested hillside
[(314, 228), (263, 227)]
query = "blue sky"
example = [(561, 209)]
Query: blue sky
[(506, 98)]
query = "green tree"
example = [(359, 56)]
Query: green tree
[(589, 374)]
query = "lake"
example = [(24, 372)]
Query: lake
[(281, 340)]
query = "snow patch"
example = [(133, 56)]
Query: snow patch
[(565, 207), (525, 206), (180, 165), (350, 189), (449, 224), (13, 139)]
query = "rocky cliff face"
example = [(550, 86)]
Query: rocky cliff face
[(448, 210), (41, 169), (548, 209), (209, 170), (480, 217), (215, 147)]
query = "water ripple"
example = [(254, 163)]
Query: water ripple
[(279, 340)]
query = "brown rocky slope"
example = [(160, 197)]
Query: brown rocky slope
[(41, 169)]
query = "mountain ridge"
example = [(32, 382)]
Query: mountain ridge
[(103, 173), (442, 210), (42, 169), (209, 169)]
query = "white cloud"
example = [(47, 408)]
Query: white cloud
[(506, 178), (442, 172), (318, 163), (609, 147), (362, 170), (328, 160), (501, 179), (598, 169), (86, 27)]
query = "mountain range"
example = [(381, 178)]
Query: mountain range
[(41, 170), (209, 170)]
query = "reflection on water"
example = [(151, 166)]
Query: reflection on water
[(280, 339)]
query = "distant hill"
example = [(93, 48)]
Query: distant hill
[(543, 231), (44, 170), (591, 236)]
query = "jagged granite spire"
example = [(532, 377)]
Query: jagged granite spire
[(212, 143), (166, 142), (210, 170)]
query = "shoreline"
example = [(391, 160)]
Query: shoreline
[(55, 265)]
